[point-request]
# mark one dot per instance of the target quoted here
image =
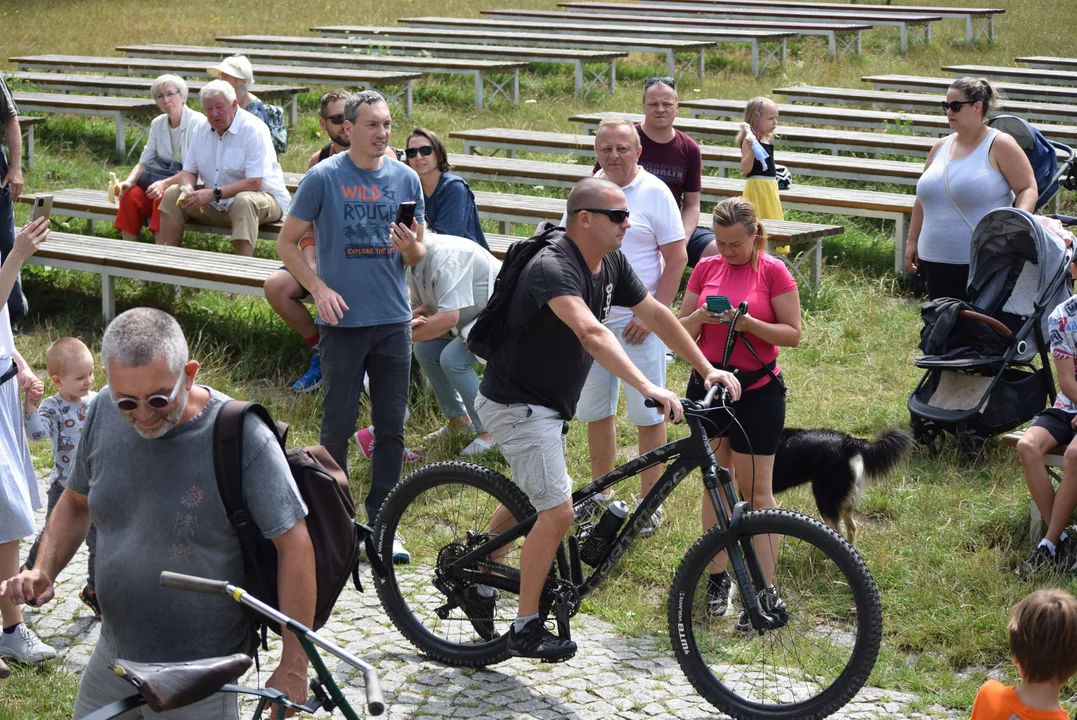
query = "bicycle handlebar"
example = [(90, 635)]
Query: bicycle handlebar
[(703, 404), (190, 583)]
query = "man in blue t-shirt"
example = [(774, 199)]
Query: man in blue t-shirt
[(360, 288)]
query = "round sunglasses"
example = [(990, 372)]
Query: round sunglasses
[(424, 150), (157, 402)]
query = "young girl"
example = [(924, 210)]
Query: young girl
[(761, 189)]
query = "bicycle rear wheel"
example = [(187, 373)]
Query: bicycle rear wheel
[(443, 511), (812, 665)]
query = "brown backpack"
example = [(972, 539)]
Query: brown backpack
[(331, 523)]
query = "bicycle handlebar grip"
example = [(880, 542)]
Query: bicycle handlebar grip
[(374, 701), (651, 403), (191, 583)]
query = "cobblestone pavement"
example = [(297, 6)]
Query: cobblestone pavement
[(611, 677)]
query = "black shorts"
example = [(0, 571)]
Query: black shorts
[(760, 412), (306, 293), (698, 241), (1057, 422)]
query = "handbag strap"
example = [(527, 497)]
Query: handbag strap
[(946, 171)]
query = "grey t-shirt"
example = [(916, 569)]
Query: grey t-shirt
[(156, 507), (353, 210), (455, 274)]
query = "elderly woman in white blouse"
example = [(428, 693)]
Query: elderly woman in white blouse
[(166, 145)]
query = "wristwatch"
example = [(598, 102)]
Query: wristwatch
[(216, 193)]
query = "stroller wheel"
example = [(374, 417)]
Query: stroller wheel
[(970, 444), (927, 434)]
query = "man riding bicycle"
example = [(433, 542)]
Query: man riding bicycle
[(533, 379)]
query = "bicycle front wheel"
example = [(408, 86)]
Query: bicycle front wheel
[(442, 511), (811, 665)]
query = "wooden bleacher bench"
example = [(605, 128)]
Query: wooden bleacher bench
[(483, 71), (26, 124), (979, 22), (848, 34), (1038, 76), (93, 206), (856, 97), (367, 79), (1053, 461), (1049, 62), (768, 43), (577, 59), (122, 110), (139, 86), (668, 48), (1017, 91), (935, 124), (152, 263), (916, 28)]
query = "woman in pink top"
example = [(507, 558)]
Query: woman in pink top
[(743, 272)]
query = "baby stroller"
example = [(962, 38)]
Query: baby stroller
[(1051, 170), (979, 379)]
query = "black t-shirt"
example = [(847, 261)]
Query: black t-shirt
[(541, 361)]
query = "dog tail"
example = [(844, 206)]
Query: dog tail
[(882, 455)]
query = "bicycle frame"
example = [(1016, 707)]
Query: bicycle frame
[(682, 456)]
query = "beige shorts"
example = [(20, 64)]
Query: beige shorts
[(532, 439)]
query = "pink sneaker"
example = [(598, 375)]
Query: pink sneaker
[(365, 440)]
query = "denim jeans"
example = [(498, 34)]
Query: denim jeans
[(451, 370), (383, 352)]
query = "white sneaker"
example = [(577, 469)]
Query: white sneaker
[(24, 646), (401, 556), (652, 526), (442, 432), (477, 447)]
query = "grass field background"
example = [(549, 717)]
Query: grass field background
[(941, 537)]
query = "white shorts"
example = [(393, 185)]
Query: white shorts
[(598, 400), (532, 439)]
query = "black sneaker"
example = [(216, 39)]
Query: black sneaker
[(718, 602), (1066, 555), (771, 604), (480, 611), (1039, 560), (535, 641)]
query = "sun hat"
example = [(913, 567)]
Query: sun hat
[(238, 66)]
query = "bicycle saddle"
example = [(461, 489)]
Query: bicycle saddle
[(167, 686)]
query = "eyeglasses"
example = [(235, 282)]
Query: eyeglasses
[(165, 96), (616, 216), (157, 402), (337, 119), (663, 80), (955, 105), (425, 151)]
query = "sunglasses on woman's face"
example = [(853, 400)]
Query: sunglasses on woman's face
[(424, 150), (955, 105), (157, 402)]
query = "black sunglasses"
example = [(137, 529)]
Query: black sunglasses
[(337, 119), (664, 80), (157, 402), (616, 216), (955, 105), (425, 151)]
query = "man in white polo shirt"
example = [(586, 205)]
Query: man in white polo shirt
[(655, 248), (232, 157)]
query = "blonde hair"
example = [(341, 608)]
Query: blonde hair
[(740, 211), (978, 90), (753, 111), (63, 352), (616, 122), (1043, 635)]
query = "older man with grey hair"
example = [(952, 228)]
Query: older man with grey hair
[(232, 157), (144, 475)]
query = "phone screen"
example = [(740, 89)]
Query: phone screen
[(405, 213), (718, 303)]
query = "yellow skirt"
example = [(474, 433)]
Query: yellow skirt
[(763, 194)]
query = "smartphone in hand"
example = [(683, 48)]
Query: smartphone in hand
[(42, 206), (405, 214), (718, 303)]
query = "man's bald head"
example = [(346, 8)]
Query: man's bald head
[(591, 192)]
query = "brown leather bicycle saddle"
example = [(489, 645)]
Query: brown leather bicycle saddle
[(167, 686)]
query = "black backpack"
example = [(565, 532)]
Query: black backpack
[(335, 534), (489, 328)]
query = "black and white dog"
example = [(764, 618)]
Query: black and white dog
[(836, 465)]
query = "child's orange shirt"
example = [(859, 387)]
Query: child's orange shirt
[(996, 701)]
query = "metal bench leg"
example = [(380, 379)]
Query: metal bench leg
[(121, 141), (770, 54), (28, 143), (478, 91), (755, 58), (671, 63), (968, 30), (498, 88), (293, 110), (904, 37), (579, 78), (832, 44), (108, 296), (901, 236), (684, 67), (598, 78), (816, 262)]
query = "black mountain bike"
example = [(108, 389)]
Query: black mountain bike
[(802, 657)]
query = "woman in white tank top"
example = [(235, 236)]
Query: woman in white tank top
[(967, 174)]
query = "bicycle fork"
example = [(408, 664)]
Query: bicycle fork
[(740, 551)]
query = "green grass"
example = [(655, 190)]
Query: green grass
[(941, 537)]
